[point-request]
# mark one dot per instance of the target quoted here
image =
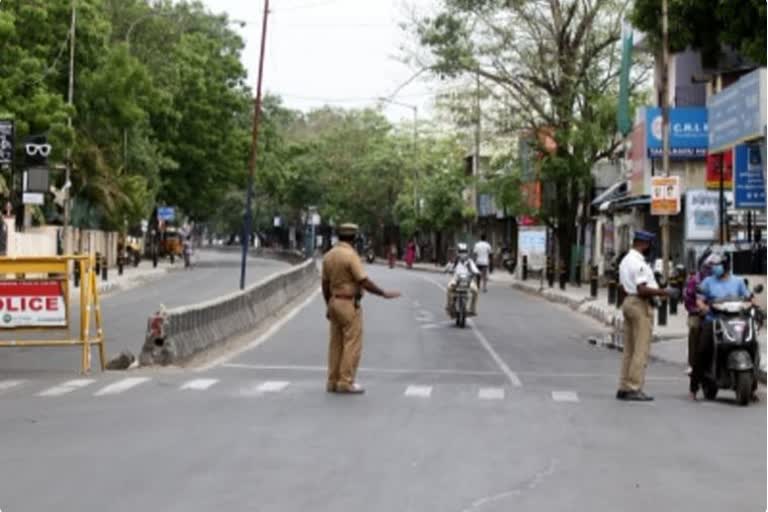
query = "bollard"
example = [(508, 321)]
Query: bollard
[(525, 267), (154, 259), (673, 305), (173, 258), (98, 264), (611, 291), (662, 313), (104, 267), (120, 264), (76, 273), (593, 283)]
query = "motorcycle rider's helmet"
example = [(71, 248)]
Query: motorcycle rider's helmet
[(463, 251)]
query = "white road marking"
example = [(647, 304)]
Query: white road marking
[(419, 391), (395, 371), (198, 384), (121, 385), (264, 337), (491, 394), (9, 384), (425, 316), (565, 396), (66, 387), (273, 386), (511, 376)]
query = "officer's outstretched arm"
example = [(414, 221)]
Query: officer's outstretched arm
[(370, 286)]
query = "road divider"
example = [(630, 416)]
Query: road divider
[(175, 335)]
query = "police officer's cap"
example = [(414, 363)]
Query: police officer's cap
[(645, 236), (347, 229)]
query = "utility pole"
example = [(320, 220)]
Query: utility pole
[(247, 225), (476, 156), (665, 130), (70, 101)]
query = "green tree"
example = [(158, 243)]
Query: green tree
[(554, 68), (707, 25)]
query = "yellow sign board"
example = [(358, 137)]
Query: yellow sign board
[(34, 295), (665, 195)]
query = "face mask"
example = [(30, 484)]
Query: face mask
[(718, 271)]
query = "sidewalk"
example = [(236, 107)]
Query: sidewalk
[(132, 277), (670, 341)]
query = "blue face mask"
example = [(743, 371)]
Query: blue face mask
[(718, 271)]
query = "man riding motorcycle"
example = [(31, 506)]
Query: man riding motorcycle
[(462, 265)]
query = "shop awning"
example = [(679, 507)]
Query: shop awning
[(612, 193), (629, 202)]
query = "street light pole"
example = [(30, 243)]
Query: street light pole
[(247, 225)]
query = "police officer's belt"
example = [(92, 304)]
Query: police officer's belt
[(344, 297)]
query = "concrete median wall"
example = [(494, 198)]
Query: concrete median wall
[(175, 335)]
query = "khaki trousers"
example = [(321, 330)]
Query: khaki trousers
[(638, 330), (346, 342)]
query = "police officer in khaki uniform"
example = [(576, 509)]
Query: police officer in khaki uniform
[(637, 279), (344, 280)]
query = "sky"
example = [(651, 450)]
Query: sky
[(346, 53)]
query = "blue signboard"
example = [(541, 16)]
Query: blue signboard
[(166, 213), (748, 178), (688, 132), (735, 114)]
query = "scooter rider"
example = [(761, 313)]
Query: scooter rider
[(463, 265), (719, 285)]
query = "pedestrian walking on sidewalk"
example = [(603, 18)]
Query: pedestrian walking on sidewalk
[(410, 253), (392, 255), (483, 252), (343, 281), (636, 277)]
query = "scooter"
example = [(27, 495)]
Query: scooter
[(508, 261), (370, 255), (736, 355)]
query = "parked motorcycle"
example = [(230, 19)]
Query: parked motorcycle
[(508, 260), (736, 355), (461, 299)]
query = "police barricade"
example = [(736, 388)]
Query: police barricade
[(34, 297)]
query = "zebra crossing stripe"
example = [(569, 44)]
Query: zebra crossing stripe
[(66, 387), (273, 386), (198, 384), (121, 385), (9, 384), (565, 396), (491, 394), (419, 391)]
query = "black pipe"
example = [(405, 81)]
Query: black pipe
[(593, 283), (77, 274), (104, 267), (525, 267)]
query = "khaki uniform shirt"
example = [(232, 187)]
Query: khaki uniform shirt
[(343, 270)]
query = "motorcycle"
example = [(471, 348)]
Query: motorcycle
[(461, 299), (736, 355), (370, 255), (508, 261)]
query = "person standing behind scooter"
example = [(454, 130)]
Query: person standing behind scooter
[(694, 321)]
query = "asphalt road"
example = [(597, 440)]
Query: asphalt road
[(125, 312), (517, 413)]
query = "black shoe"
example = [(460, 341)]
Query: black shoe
[(621, 394), (637, 396)]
